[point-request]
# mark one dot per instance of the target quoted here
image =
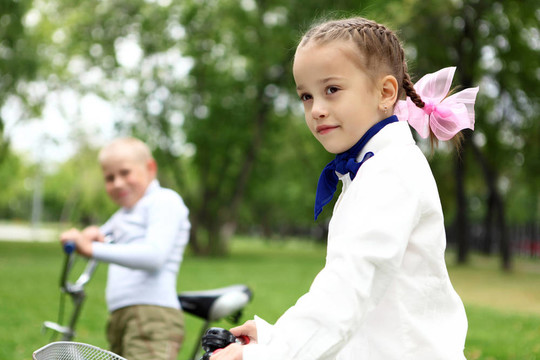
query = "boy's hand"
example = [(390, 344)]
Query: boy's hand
[(93, 233), (83, 244)]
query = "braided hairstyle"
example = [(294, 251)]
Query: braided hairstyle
[(379, 51)]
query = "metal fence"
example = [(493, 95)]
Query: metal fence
[(524, 239)]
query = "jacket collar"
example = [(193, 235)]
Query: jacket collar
[(395, 134)]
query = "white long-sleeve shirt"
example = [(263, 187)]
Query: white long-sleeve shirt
[(384, 292), (145, 258)]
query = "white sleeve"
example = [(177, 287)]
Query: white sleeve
[(106, 228), (368, 236), (166, 217)]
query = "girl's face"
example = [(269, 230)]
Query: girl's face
[(340, 101)]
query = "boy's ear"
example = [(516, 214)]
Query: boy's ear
[(151, 166), (388, 91)]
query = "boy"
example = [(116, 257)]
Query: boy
[(150, 232)]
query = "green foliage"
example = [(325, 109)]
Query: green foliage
[(18, 60), (75, 193), (17, 179), (491, 43), (253, 152), (208, 85)]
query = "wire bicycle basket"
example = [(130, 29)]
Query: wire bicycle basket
[(69, 350)]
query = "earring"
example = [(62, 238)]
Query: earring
[(385, 109)]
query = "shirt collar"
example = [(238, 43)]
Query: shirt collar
[(153, 186), (398, 133), (394, 134)]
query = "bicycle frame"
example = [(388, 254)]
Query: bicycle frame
[(209, 305), (74, 290)]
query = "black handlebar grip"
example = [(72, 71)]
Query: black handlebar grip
[(216, 338)]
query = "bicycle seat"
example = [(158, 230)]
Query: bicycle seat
[(215, 304)]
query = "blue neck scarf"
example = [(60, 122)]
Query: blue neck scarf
[(344, 163)]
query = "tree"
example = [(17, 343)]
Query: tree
[(75, 192), (210, 131), (243, 118), (492, 43), (16, 177), (208, 85), (18, 61)]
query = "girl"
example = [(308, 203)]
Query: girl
[(384, 292)]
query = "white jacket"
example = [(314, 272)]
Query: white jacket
[(384, 292)]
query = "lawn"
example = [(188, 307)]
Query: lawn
[(503, 309)]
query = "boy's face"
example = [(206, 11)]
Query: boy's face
[(126, 178), (340, 100)]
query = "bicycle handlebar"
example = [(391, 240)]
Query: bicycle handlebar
[(219, 338), (69, 247), (77, 287)]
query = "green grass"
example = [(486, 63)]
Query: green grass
[(503, 309)]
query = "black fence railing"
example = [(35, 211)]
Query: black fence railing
[(524, 239)]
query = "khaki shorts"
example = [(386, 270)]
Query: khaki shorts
[(146, 332)]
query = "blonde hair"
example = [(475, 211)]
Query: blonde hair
[(133, 147), (379, 51)]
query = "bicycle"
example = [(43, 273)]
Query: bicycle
[(209, 305), (213, 339)]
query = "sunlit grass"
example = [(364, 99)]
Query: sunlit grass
[(482, 283)]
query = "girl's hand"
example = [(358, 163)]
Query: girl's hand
[(231, 352), (249, 329), (234, 351)]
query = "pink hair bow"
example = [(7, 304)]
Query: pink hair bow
[(446, 116)]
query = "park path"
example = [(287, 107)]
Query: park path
[(24, 232)]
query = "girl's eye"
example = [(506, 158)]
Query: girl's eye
[(305, 97), (331, 90)]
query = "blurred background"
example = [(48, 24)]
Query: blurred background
[(208, 85)]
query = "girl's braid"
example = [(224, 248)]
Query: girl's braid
[(409, 89), (389, 50), (379, 46), (380, 50)]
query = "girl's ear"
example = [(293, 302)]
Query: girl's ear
[(388, 92)]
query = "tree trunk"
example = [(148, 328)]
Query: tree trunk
[(229, 224), (495, 214), (487, 241), (505, 248), (462, 222)]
